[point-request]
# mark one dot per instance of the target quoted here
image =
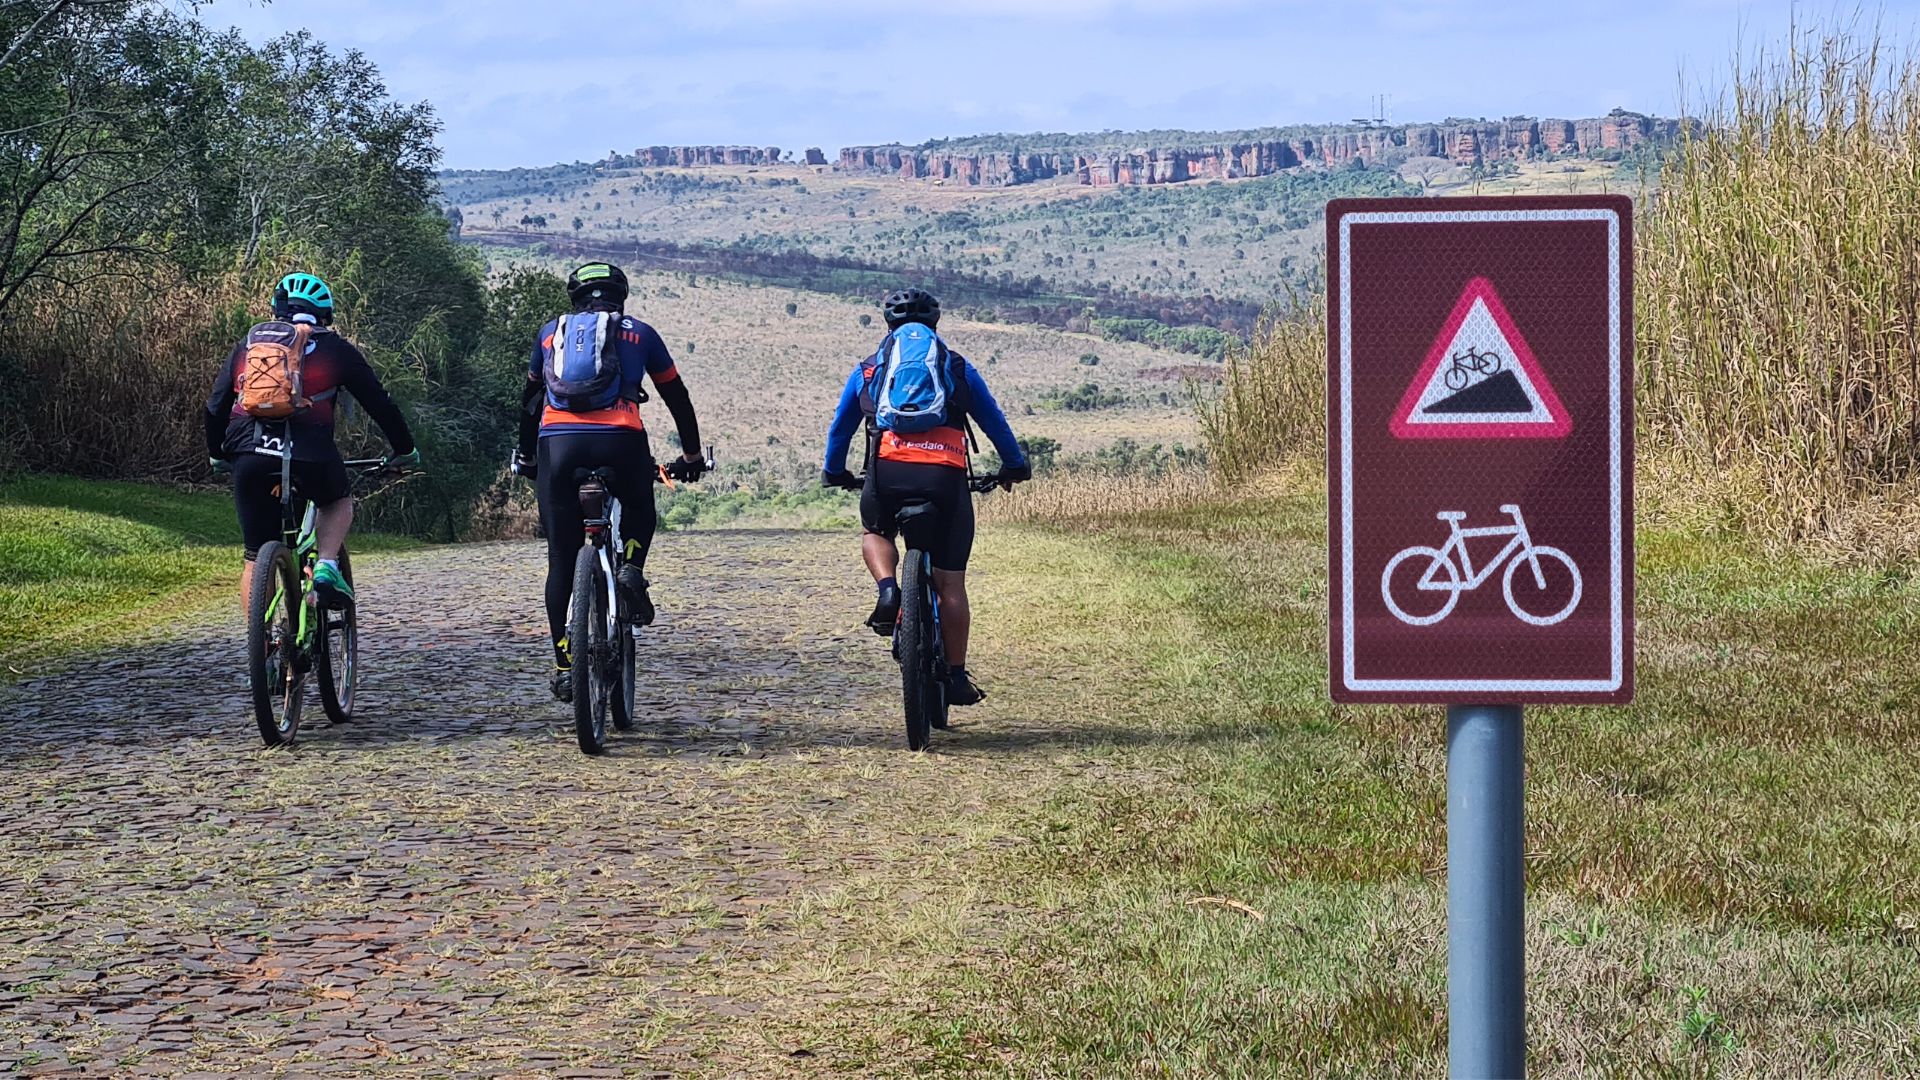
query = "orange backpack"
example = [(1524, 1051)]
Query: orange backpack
[(269, 379)]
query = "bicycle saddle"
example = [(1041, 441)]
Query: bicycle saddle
[(1452, 515), (914, 511), (604, 472)]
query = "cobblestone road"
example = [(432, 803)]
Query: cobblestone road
[(446, 886)]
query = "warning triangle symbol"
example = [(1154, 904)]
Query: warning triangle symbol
[(1480, 380)]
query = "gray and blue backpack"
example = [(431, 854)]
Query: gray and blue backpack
[(582, 366), (913, 386)]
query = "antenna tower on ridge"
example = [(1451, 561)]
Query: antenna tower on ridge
[(1377, 112)]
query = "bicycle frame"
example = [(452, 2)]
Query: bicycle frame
[(303, 539), (1521, 543), (602, 532)]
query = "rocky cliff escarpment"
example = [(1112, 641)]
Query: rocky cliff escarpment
[(985, 170), (685, 156), (1462, 141)]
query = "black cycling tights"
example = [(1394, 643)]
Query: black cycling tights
[(560, 456)]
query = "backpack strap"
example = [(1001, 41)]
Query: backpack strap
[(960, 402)]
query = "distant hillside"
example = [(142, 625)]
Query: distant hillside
[(1129, 240)]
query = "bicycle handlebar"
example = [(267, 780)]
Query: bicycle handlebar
[(979, 485), (707, 465)]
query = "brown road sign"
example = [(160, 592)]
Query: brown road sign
[(1480, 449)]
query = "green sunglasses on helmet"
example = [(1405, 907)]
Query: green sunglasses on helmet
[(303, 294), (597, 281)]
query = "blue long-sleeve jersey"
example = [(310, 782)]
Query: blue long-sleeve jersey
[(940, 446)]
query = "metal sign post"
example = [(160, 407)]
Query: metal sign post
[(1480, 519), (1486, 894)]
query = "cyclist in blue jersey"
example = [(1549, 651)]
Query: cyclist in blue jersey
[(930, 465)]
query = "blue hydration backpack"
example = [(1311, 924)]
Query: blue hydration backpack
[(912, 389), (583, 362)]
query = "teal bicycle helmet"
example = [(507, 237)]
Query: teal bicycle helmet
[(303, 294)]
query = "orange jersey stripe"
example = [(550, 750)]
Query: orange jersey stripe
[(940, 446), (625, 414)]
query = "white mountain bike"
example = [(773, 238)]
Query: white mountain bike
[(1447, 571)]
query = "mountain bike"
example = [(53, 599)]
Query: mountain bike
[(1470, 363), (290, 633), (918, 646), (1448, 571), (600, 629)]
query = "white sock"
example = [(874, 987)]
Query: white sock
[(331, 564)]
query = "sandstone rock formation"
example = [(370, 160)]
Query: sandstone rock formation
[(1518, 136), (815, 157)]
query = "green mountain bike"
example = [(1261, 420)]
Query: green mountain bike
[(290, 634)]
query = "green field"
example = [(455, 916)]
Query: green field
[(89, 563)]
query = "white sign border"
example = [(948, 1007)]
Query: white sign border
[(1351, 681)]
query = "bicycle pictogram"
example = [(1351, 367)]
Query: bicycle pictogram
[(1447, 571), (1472, 362)]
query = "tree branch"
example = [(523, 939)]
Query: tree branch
[(21, 41)]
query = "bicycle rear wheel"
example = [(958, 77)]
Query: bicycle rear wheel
[(276, 665), (587, 630), (919, 692), (336, 653)]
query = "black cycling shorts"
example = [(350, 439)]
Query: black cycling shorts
[(256, 492), (892, 484), (561, 455)]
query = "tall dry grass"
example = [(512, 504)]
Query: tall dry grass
[(1091, 497), (1779, 288), (108, 380), (1271, 403)]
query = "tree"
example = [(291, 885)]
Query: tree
[(865, 321), (99, 115), (1426, 170), (792, 309), (1040, 450)]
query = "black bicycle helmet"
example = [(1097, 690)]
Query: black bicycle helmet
[(597, 281), (911, 305)]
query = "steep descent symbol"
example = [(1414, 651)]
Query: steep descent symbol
[(1480, 380)]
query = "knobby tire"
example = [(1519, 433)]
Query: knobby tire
[(273, 654)]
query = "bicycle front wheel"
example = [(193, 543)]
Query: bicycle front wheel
[(587, 631), (336, 653), (276, 662), (623, 634), (919, 692)]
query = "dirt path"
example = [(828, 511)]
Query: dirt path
[(448, 886)]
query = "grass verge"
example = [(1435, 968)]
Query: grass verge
[(86, 563), (1236, 878)]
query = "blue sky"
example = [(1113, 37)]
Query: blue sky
[(521, 83)]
